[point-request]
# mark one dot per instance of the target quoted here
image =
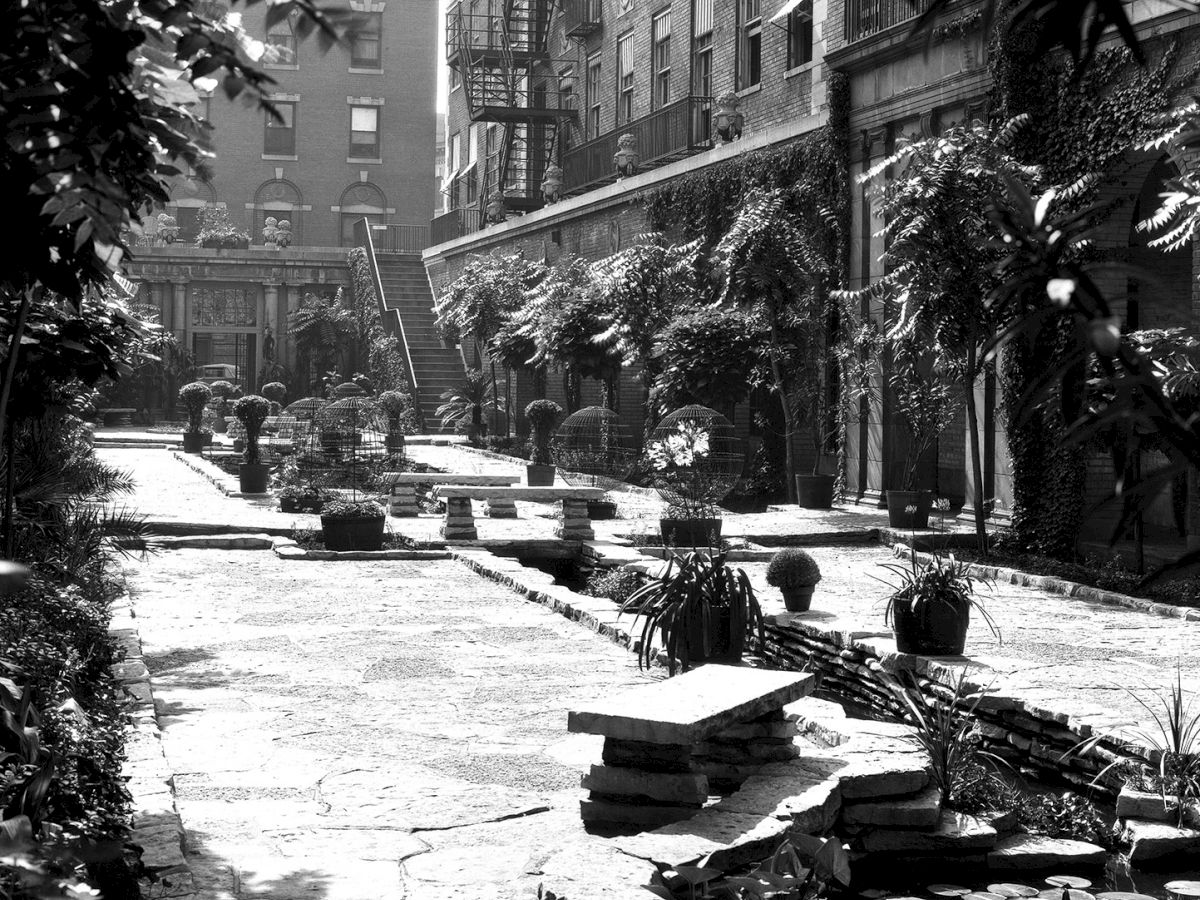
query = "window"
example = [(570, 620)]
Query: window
[(455, 153), (282, 42), (660, 32), (364, 132), (749, 44), (800, 35), (366, 41), (280, 136), (625, 80), (592, 89), (473, 145)]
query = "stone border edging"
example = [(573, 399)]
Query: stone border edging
[(1056, 585), (156, 825), (236, 541), (516, 460), (224, 482), (288, 549)]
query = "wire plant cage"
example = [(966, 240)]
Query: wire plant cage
[(302, 412), (696, 459), (345, 445), (593, 448)]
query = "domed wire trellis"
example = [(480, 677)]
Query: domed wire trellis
[(592, 448), (696, 459), (345, 443), (294, 432)]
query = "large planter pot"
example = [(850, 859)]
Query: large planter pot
[(690, 532), (814, 491), (289, 504), (220, 425), (195, 442), (253, 478), (936, 628), (601, 509), (909, 509), (394, 443), (539, 476), (797, 598), (357, 533), (723, 646)]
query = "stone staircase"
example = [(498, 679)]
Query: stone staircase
[(406, 291)]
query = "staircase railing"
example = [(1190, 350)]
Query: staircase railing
[(362, 234)]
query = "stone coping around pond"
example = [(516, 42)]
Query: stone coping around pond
[(225, 483), (1056, 585), (235, 541), (154, 818), (289, 549)]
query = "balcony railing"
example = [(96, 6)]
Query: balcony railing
[(676, 130), (523, 32), (399, 238), (867, 17), (454, 224), (581, 18)]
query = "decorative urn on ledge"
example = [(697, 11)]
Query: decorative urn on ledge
[(552, 183), (494, 208), (627, 158), (727, 121)]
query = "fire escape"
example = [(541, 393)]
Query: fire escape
[(500, 51)]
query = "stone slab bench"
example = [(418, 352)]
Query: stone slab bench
[(662, 740), (501, 504), (403, 486)]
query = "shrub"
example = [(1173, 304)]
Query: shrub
[(275, 391), (222, 390), (195, 397), (345, 509), (793, 567), (543, 415), (397, 406), (252, 411), (617, 585)]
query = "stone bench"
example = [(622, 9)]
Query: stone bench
[(501, 504), (117, 417), (662, 740), (402, 486)]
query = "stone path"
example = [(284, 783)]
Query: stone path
[(366, 730)]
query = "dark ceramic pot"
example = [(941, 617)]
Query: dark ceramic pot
[(797, 598), (909, 509), (934, 628), (814, 491), (253, 478), (352, 533), (195, 442), (539, 476), (690, 532)]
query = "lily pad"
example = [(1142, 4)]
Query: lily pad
[(1008, 889), (1184, 888), (984, 895), (1069, 881), (1122, 895), (948, 890), (1065, 894)]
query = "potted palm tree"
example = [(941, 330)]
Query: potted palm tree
[(923, 399), (195, 397), (543, 415), (795, 573), (930, 611), (394, 405), (702, 610), (464, 407), (251, 411)]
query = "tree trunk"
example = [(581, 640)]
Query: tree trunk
[(976, 460), (789, 419), (10, 370)]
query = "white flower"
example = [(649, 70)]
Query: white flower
[(1059, 290)]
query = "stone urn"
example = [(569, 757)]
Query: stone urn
[(493, 210), (626, 159), (727, 121), (283, 235), (270, 229), (552, 184), (168, 230)]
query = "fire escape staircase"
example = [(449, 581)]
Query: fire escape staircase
[(504, 63)]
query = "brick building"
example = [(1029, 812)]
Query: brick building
[(536, 84), (356, 139)]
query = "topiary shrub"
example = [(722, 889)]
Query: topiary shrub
[(222, 390), (543, 415), (793, 567), (275, 391), (252, 411), (195, 397), (397, 406)]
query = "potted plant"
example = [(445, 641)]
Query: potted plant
[(795, 573), (221, 392), (930, 611), (195, 397), (682, 477), (395, 406), (702, 610), (217, 231), (251, 411), (543, 415), (352, 525), (923, 400)]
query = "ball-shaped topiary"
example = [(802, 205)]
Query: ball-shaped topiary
[(543, 415), (252, 410), (222, 390), (275, 391), (793, 567), (195, 397)]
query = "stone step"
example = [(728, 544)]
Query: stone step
[(672, 787), (809, 798), (1159, 841), (1037, 852), (955, 833), (922, 812)]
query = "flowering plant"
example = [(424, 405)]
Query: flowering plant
[(679, 450)]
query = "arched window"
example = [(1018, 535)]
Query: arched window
[(281, 199), (364, 199)]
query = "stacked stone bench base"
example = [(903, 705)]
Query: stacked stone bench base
[(501, 504), (404, 487), (668, 745)]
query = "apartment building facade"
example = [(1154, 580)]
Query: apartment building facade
[(355, 137)]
